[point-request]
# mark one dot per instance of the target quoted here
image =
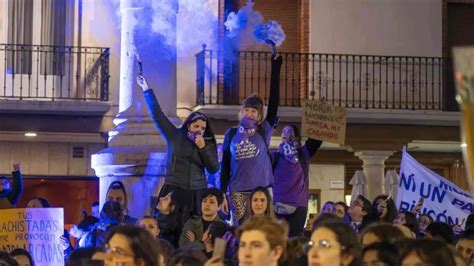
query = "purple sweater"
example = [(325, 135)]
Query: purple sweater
[(291, 182), (250, 164), (246, 164)]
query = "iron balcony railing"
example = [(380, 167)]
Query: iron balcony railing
[(43, 72), (352, 81)]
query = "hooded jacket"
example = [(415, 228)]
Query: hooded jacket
[(185, 162)]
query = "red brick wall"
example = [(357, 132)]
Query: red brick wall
[(293, 16), (286, 13), (70, 194), (303, 24)]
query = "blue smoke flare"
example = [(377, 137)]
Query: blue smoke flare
[(270, 33)]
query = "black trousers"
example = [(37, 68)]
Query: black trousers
[(187, 201), (296, 221)]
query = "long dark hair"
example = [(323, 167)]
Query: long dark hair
[(171, 224), (143, 244), (430, 251), (385, 232), (6, 259), (386, 252), (193, 117), (371, 213), (44, 202), (297, 132), (410, 221), (391, 208)]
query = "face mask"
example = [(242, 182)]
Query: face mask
[(289, 150), (192, 135), (247, 128), (248, 122)]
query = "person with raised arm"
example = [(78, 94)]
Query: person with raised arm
[(9, 196), (191, 150), (246, 163), (291, 171)]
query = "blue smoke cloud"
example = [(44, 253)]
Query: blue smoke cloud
[(270, 33), (246, 21), (181, 24), (246, 18)]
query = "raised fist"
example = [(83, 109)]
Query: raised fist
[(16, 166)]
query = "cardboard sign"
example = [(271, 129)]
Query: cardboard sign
[(324, 122), (37, 230)]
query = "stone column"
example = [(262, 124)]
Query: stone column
[(136, 155), (374, 165)]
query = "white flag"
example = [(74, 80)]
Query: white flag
[(443, 201)]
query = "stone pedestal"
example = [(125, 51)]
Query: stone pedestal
[(139, 168), (136, 155), (374, 165)]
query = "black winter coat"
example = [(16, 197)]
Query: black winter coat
[(186, 162)]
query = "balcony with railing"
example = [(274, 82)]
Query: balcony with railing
[(352, 81), (43, 78), (51, 73)]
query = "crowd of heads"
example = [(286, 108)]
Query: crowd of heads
[(262, 239), (363, 233)]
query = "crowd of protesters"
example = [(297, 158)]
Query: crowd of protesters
[(252, 210)]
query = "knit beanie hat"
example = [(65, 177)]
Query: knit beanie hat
[(254, 101)]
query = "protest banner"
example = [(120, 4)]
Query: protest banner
[(37, 230), (323, 121), (443, 201)]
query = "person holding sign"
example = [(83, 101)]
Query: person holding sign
[(291, 171), (246, 163), (9, 196), (191, 149)]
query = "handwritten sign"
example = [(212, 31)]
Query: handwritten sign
[(36, 230), (324, 122)]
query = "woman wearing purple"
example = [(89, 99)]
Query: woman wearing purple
[(291, 170), (246, 163)]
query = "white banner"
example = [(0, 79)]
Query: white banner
[(443, 201), (36, 230)]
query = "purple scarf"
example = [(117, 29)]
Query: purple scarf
[(192, 135), (289, 150), (247, 128)]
